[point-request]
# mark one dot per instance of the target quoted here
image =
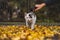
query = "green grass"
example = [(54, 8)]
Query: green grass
[(23, 23)]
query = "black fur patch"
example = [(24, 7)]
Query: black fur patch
[(30, 16)]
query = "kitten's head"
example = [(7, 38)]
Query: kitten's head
[(28, 15)]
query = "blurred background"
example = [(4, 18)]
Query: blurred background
[(13, 11)]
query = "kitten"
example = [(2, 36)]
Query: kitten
[(30, 19)]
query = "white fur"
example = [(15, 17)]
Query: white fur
[(31, 19)]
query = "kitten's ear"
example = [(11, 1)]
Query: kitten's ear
[(25, 13)]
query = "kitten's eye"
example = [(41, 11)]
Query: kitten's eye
[(30, 16), (27, 17)]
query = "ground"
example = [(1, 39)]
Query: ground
[(21, 32)]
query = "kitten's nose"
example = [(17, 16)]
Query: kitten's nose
[(27, 17)]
